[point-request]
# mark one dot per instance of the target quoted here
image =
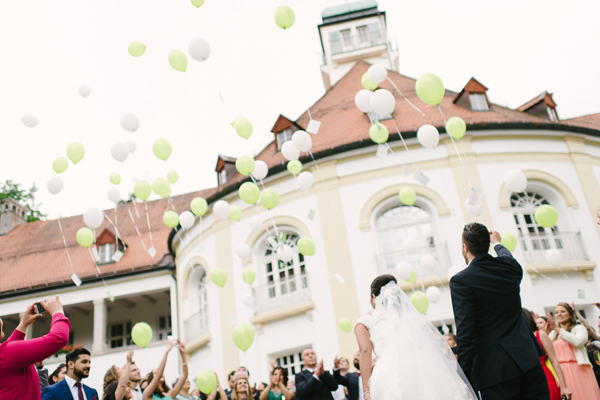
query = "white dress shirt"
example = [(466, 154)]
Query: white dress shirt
[(312, 371), (137, 393), (74, 389)]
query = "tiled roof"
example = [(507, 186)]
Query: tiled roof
[(591, 121), (545, 96)]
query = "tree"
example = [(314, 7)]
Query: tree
[(12, 190)]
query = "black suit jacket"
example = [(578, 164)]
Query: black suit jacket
[(310, 388), (350, 381), (494, 342)]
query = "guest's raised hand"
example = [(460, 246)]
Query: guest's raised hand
[(53, 305), (29, 316), (129, 356), (170, 345), (495, 237), (336, 362), (551, 325), (181, 346)]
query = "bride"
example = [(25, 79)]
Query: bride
[(414, 360)]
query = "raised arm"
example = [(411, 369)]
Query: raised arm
[(264, 395), (122, 385), (463, 305), (159, 371), (549, 348), (365, 357), (289, 395), (591, 332), (177, 388)]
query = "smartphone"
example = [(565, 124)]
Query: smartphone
[(40, 308)]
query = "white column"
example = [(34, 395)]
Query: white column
[(29, 331), (174, 310), (99, 326)]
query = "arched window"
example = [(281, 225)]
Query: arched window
[(283, 283), (196, 325), (407, 234)]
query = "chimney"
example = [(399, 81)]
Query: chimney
[(11, 214)]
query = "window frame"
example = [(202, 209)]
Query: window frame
[(283, 360), (167, 331), (282, 134), (106, 258), (363, 33), (125, 336), (552, 114), (478, 102)]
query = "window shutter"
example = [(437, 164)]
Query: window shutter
[(374, 34), (335, 42)]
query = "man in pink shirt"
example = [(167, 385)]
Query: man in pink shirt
[(18, 378)]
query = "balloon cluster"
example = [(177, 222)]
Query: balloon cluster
[(198, 48)]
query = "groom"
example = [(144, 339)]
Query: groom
[(496, 349)]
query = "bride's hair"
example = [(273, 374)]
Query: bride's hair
[(380, 282)]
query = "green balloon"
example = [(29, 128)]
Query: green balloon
[(136, 48), (245, 165), (171, 219), (198, 3), (161, 187), (420, 301), (60, 165), (243, 127), (142, 190), (546, 216), (430, 89), (141, 334), (284, 17), (243, 336), (294, 167), (207, 380), (509, 241), (345, 324), (75, 152), (235, 213), (234, 121), (249, 193), (218, 276), (379, 133), (178, 60), (173, 176), (413, 277), (269, 199), (162, 149), (407, 196), (306, 246), (85, 237), (367, 83), (456, 127), (199, 206), (115, 178), (249, 275)]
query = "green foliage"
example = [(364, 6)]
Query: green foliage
[(12, 190)]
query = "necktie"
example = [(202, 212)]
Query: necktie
[(79, 391), (357, 373)]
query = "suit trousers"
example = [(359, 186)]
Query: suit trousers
[(532, 385)]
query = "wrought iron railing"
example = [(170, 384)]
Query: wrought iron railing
[(281, 294), (437, 264), (535, 246), (196, 326), (356, 42)]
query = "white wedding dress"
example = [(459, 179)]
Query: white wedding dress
[(414, 361)]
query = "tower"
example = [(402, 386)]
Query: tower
[(351, 32), (13, 214)]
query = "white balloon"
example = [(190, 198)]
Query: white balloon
[(221, 209), (84, 90), (433, 294), (256, 224), (199, 49), (131, 146), (186, 219), (427, 264), (261, 169), (410, 244), (554, 257), (130, 122), (248, 299), (289, 151), (428, 136), (377, 73), (114, 195), (383, 102), (302, 140), (93, 218), (29, 120), (305, 180), (404, 270), (455, 270), (242, 250), (363, 100), (285, 253), (474, 210), (55, 185), (515, 180), (119, 151)]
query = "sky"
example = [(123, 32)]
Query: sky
[(517, 49)]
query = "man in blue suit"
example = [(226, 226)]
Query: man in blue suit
[(71, 388)]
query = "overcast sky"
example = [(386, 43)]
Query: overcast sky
[(516, 48)]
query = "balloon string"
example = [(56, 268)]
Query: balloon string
[(114, 225), (405, 146), (149, 228), (97, 269), (258, 209), (405, 98), (136, 228), (66, 247), (309, 116), (137, 213), (456, 149), (539, 273)]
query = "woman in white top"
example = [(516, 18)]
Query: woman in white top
[(569, 342)]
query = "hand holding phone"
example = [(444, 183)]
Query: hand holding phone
[(40, 308)]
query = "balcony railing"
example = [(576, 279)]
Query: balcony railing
[(356, 42), (568, 243), (196, 326), (439, 263), (282, 294)]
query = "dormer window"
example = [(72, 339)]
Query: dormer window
[(106, 252), (478, 102), (374, 117), (283, 136), (222, 177), (552, 114)]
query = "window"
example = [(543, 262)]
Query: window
[(283, 137), (222, 176), (347, 39), (203, 302), (533, 236), (445, 329), (552, 114), (363, 34), (106, 252), (119, 335), (164, 327), (291, 362), (478, 102), (374, 117)]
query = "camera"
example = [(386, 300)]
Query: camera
[(40, 308)]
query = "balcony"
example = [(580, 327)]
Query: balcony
[(352, 43), (285, 293), (196, 326), (435, 267), (569, 244)]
